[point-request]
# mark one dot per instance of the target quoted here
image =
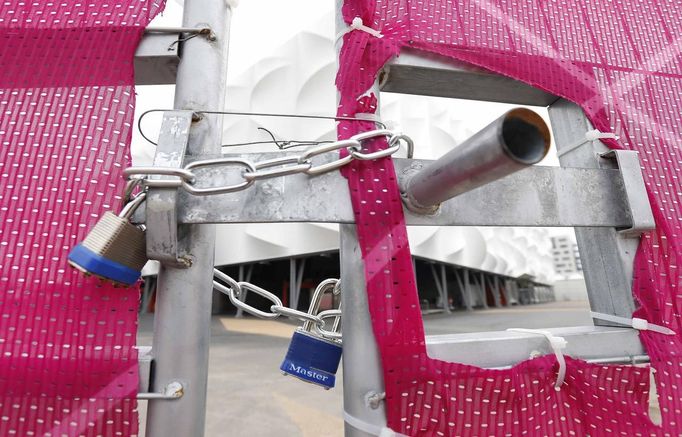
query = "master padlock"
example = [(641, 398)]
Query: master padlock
[(311, 357), (115, 249)]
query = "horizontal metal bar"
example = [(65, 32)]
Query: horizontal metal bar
[(505, 348), (157, 59), (537, 196), (174, 390), (178, 30), (423, 73)]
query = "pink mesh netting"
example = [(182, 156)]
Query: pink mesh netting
[(620, 60), (68, 365)]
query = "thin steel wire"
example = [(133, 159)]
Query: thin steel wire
[(258, 114)]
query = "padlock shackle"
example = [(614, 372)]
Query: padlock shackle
[(316, 300), (131, 184), (130, 207)]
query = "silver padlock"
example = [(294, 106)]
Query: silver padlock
[(115, 249)]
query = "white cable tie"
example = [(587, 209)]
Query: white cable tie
[(557, 344), (368, 116), (388, 124), (590, 135), (370, 428), (635, 322), (357, 24)]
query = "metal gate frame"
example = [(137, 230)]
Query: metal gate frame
[(181, 231)]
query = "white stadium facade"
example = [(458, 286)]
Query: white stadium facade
[(495, 266)]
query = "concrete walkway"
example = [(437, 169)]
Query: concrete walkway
[(249, 397)]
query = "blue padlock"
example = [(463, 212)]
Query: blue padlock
[(311, 357)]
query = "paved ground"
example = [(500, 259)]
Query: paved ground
[(248, 396)]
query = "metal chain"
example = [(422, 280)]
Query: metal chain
[(303, 163), (234, 290)]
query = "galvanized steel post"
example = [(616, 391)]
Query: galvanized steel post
[(362, 374), (183, 307)]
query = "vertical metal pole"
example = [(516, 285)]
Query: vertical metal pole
[(501, 285), (495, 290), (467, 288), (299, 280), (361, 362), (513, 286), (464, 291), (484, 294), (295, 281), (183, 309), (362, 372), (293, 299), (436, 280), (444, 288), (607, 256)]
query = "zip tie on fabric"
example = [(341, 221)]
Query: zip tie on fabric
[(369, 117), (636, 323), (388, 124), (357, 24), (369, 428), (590, 135), (557, 344)]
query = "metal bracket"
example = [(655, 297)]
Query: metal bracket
[(173, 390), (161, 204), (635, 191), (156, 59)]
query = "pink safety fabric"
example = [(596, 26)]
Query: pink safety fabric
[(68, 364), (620, 60)]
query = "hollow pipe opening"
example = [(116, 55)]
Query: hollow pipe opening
[(525, 136)]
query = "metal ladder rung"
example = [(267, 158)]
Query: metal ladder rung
[(501, 349), (421, 73)]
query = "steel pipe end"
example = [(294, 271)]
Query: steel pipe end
[(525, 136)]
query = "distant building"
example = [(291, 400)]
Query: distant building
[(566, 257)]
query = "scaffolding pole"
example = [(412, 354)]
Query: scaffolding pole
[(183, 308)]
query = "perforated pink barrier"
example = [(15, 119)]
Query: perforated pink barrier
[(67, 360), (620, 60)]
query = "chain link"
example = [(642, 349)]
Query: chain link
[(234, 290), (218, 162), (289, 165)]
